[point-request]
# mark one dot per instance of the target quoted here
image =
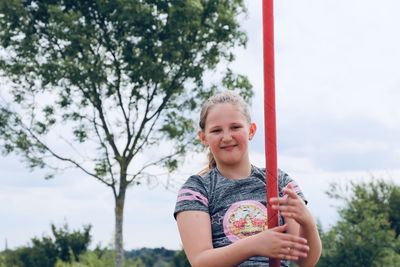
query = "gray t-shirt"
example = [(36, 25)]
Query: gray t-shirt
[(237, 208)]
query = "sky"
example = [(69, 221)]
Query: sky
[(338, 120)]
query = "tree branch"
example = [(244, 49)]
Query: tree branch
[(54, 154), (141, 127), (154, 163), (109, 48), (95, 102), (113, 181)]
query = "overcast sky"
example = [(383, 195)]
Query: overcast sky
[(338, 118)]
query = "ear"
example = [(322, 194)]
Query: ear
[(202, 137), (252, 130)]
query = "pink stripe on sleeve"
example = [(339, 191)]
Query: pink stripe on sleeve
[(187, 194)]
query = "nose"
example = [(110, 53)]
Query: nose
[(226, 137)]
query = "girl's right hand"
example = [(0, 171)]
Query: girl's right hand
[(275, 243)]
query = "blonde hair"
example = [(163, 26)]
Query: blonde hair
[(224, 97)]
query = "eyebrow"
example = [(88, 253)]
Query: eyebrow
[(214, 128), (231, 124)]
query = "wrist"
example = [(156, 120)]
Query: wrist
[(309, 221), (249, 245)]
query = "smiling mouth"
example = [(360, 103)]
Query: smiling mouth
[(228, 147)]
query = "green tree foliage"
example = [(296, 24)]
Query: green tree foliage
[(111, 79), (42, 252), (366, 234), (158, 257), (71, 244), (180, 259), (105, 257), (97, 258), (64, 245)]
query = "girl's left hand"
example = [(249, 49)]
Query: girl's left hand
[(292, 206)]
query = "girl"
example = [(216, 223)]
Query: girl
[(221, 213)]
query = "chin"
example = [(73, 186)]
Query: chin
[(230, 162)]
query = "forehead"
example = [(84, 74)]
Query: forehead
[(224, 113)]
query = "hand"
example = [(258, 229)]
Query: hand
[(292, 206), (275, 243)]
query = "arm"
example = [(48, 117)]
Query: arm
[(310, 232), (301, 223), (195, 231)]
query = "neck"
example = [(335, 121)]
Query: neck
[(238, 171)]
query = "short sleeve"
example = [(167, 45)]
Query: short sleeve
[(192, 196), (286, 181)]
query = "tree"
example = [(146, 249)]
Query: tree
[(366, 233), (47, 250), (71, 244), (180, 259), (111, 79)]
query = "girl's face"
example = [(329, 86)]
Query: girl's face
[(227, 132)]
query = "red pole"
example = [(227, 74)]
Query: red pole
[(270, 116)]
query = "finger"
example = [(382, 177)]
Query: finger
[(285, 208), (286, 257), (301, 248), (287, 215), (280, 229), (296, 244), (297, 251), (286, 211), (277, 201), (290, 192), (293, 251), (273, 200), (293, 239), (295, 255), (290, 185), (285, 202)]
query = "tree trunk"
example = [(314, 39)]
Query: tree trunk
[(119, 241)]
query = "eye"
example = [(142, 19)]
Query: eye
[(236, 127), (215, 130)]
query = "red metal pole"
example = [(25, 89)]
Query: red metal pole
[(270, 116)]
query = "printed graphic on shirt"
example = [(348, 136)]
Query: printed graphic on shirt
[(244, 218), (216, 218)]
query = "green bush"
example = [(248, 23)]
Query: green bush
[(65, 245), (367, 233)]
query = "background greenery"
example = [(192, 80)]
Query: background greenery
[(366, 235), (66, 248), (115, 79)]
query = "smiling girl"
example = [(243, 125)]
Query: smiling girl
[(221, 213)]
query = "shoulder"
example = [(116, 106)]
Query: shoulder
[(202, 179), (194, 180), (198, 183), (282, 175), (193, 195)]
